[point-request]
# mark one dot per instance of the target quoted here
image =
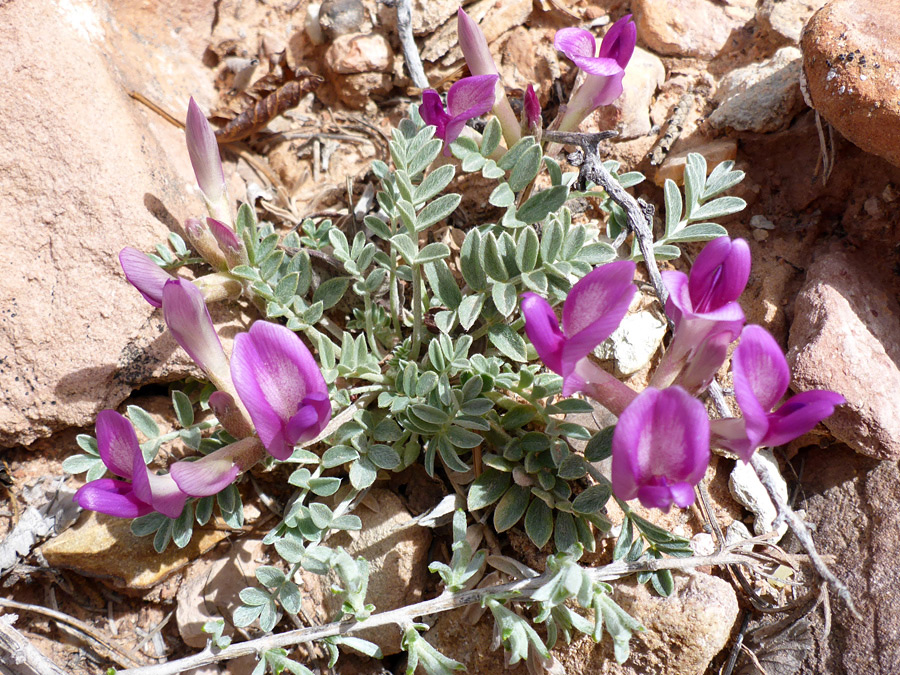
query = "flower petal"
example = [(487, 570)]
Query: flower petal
[(619, 41), (731, 434), (432, 112), (161, 492), (206, 476), (204, 153), (189, 322), (144, 274), (602, 90), (274, 373), (720, 274), (531, 110), (800, 414), (761, 373), (117, 443), (474, 45), (542, 328), (575, 42), (594, 308), (112, 497), (597, 66), (472, 96)]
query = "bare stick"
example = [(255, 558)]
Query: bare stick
[(443, 603), (638, 212), (798, 527), (18, 653), (408, 44)]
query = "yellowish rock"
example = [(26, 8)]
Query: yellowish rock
[(715, 152)]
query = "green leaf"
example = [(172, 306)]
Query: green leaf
[(694, 181), (286, 287), (184, 410), (88, 444), (551, 240), (699, 232), (432, 252), (592, 500), (518, 416), (527, 250), (470, 261), (378, 226), (673, 206), (383, 456), (338, 455), (437, 210), (541, 204), (491, 260), (463, 438), (473, 162), (268, 576), (330, 292), (424, 156), (663, 582), (623, 543), (600, 445), (502, 196), (511, 156), (183, 526), (505, 298), (511, 507), (571, 468), (508, 342), (487, 488), (536, 281), (470, 309), (81, 463), (721, 178), (539, 523), (434, 183), (405, 246), (141, 527), (490, 137), (526, 168), (565, 534), (717, 208), (142, 421)]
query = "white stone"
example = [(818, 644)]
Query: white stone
[(634, 342), (748, 491)]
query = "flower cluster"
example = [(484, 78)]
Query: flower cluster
[(271, 394), (473, 96), (661, 444)]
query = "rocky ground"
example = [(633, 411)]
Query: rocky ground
[(809, 109)]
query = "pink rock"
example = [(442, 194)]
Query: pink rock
[(358, 53), (690, 27), (844, 338)]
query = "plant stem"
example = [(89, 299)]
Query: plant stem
[(418, 312)]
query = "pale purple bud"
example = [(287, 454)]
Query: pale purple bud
[(211, 474), (229, 243), (144, 274), (205, 243), (204, 152), (531, 114), (660, 448), (281, 385), (120, 451)]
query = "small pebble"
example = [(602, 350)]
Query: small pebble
[(761, 223)]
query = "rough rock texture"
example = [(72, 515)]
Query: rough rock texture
[(494, 19), (851, 58), (690, 27), (398, 560), (82, 174), (716, 152), (103, 547), (844, 337), (211, 587), (359, 53), (786, 18), (852, 503), (762, 97), (683, 633), (630, 113)]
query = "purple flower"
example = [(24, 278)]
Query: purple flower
[(603, 73), (469, 98), (121, 453), (592, 311), (706, 314), (761, 379), (144, 274), (229, 243), (280, 383), (531, 114), (189, 322), (478, 57), (204, 153), (660, 448), (211, 474)]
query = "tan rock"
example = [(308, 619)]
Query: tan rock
[(700, 28), (103, 547), (494, 19), (786, 18), (359, 53), (356, 90), (844, 338), (851, 60), (715, 152), (630, 113)]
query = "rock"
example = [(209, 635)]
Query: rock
[(103, 547), (786, 18), (428, 15), (340, 17), (630, 113), (358, 53), (716, 152), (211, 587), (851, 60), (683, 633), (397, 558), (748, 490), (851, 501), (356, 89), (762, 97), (701, 28), (634, 343), (844, 338), (86, 168), (759, 222), (494, 19)]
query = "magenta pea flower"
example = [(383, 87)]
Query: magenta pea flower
[(531, 114), (211, 474), (281, 385), (761, 379), (229, 242), (706, 314), (603, 72), (660, 448), (469, 98), (121, 453), (144, 274), (203, 150), (592, 311)]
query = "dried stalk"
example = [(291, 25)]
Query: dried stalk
[(408, 44)]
